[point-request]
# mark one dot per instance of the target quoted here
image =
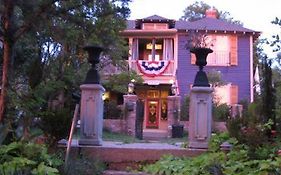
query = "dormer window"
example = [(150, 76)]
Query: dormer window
[(154, 26)]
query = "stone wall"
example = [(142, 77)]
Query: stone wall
[(114, 125)]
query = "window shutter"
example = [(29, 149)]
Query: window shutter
[(233, 50), (193, 58), (233, 94)]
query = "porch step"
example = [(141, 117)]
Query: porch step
[(154, 134), (120, 156)]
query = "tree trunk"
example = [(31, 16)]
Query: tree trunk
[(8, 40)]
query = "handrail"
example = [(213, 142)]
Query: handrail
[(70, 135)]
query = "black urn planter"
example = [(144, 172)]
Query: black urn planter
[(201, 54), (177, 131), (93, 58)]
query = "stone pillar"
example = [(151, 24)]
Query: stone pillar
[(130, 107), (200, 117), (173, 110), (91, 114)]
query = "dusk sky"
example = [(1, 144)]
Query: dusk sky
[(255, 14)]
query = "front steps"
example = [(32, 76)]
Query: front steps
[(154, 134), (119, 156)]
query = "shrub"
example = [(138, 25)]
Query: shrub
[(27, 158), (250, 129), (184, 109), (111, 110), (221, 112), (215, 162), (56, 124), (85, 165)]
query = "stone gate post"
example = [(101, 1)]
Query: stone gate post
[(91, 114), (130, 108), (200, 117)]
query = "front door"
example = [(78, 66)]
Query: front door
[(152, 117)]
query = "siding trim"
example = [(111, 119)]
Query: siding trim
[(251, 70)]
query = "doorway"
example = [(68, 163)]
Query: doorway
[(152, 117)]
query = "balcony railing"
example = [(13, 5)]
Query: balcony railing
[(219, 58), (169, 71)]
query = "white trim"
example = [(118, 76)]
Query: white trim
[(176, 49), (251, 70)]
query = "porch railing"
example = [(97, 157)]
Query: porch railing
[(219, 58)]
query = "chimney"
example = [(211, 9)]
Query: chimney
[(211, 13)]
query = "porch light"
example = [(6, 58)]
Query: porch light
[(174, 89), (131, 88)]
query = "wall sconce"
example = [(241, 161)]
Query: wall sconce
[(131, 88), (174, 89)]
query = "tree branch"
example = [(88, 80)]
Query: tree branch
[(28, 24)]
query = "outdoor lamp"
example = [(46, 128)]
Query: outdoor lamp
[(174, 89), (131, 88), (225, 147)]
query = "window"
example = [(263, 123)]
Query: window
[(226, 94), (224, 51), (154, 26), (153, 49)]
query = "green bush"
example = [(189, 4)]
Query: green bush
[(111, 110), (85, 165), (215, 162), (27, 158), (56, 124), (250, 129), (221, 112), (184, 109)]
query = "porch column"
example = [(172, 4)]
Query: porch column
[(200, 117), (130, 113), (173, 112), (91, 114)]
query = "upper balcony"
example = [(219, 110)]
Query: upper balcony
[(153, 58)]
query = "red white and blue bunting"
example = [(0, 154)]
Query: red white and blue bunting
[(152, 68)]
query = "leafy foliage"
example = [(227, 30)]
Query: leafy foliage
[(184, 109), (111, 110), (215, 162), (119, 82), (56, 124), (85, 165), (221, 112), (27, 158)]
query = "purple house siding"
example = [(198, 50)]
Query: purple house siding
[(237, 75), (185, 71)]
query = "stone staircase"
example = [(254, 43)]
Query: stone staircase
[(154, 134)]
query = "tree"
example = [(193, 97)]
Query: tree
[(63, 26), (197, 11)]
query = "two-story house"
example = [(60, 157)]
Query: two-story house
[(159, 53)]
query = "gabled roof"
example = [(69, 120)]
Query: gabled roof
[(207, 23), (212, 24), (154, 19)]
